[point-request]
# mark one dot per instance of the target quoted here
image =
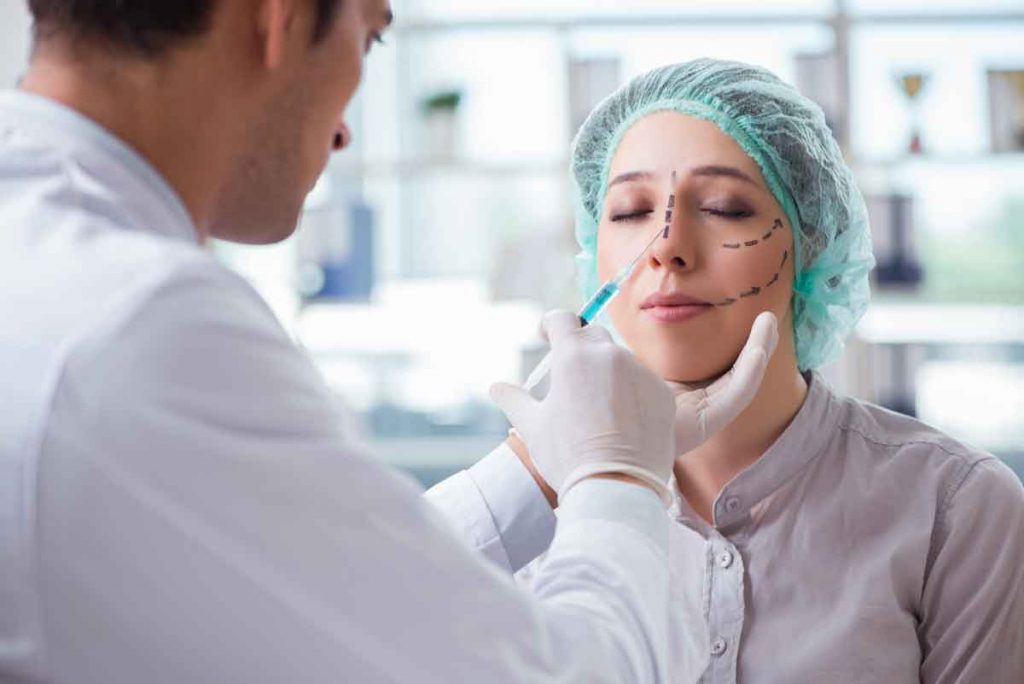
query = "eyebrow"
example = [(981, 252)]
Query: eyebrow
[(728, 171), (631, 176), (708, 170)]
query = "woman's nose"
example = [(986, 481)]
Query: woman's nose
[(675, 248)]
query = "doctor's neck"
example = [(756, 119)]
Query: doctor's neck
[(186, 128), (703, 473)]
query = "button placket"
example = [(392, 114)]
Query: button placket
[(725, 618)]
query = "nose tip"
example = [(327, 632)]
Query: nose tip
[(342, 137), (669, 253)]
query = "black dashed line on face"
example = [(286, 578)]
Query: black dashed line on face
[(774, 279), (785, 256), (755, 290), (726, 302), (776, 225)]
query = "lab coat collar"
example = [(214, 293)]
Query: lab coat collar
[(129, 175)]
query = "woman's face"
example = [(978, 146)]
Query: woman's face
[(687, 309)]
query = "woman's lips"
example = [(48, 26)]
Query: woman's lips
[(673, 307)]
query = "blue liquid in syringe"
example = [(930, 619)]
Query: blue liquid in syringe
[(596, 305)]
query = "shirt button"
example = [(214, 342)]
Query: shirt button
[(732, 504), (725, 559), (718, 646)]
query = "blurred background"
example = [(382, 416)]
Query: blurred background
[(428, 250)]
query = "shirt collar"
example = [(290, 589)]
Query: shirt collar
[(799, 444), (127, 175)]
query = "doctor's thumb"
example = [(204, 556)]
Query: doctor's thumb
[(515, 402)]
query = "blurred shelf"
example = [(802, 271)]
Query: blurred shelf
[(663, 20), (934, 323), (939, 160), (473, 167), (416, 167), (453, 452)]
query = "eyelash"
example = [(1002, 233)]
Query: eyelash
[(731, 215), (644, 213), (375, 39), (638, 215)]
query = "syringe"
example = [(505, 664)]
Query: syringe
[(592, 309)]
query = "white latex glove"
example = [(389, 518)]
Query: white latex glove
[(604, 411), (703, 411)]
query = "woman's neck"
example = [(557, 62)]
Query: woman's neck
[(703, 473)]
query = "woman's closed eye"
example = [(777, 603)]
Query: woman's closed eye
[(631, 215), (728, 210)]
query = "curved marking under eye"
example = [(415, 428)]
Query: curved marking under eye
[(731, 245), (750, 243)]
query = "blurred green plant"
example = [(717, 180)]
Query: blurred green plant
[(986, 266), (441, 101)]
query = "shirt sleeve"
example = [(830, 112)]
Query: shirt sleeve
[(205, 516), (496, 507), (972, 622)]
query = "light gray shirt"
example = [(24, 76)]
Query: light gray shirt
[(862, 547)]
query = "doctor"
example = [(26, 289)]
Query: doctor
[(180, 499)]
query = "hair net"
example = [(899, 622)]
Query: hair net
[(786, 135)]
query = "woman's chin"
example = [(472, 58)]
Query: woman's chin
[(693, 369)]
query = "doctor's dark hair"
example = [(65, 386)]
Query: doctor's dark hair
[(144, 27)]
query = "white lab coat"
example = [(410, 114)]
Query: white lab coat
[(180, 500)]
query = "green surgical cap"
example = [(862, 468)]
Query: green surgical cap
[(786, 135)]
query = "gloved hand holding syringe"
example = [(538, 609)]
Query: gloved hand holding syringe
[(592, 309)]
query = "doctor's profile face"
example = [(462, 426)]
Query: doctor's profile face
[(290, 139), (688, 307)]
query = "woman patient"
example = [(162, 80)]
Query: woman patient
[(819, 538)]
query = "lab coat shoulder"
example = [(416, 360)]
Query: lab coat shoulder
[(207, 519)]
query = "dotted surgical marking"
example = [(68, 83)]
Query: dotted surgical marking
[(754, 289), (671, 205), (777, 225)]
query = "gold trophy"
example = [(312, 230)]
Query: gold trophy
[(911, 84)]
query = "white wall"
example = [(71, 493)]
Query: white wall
[(15, 27)]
